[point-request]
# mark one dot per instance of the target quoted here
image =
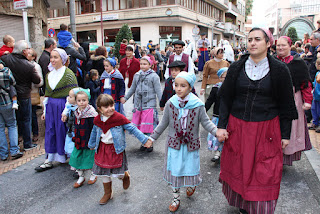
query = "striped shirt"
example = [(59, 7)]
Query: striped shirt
[(6, 79), (257, 71)]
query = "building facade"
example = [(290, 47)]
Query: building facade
[(11, 21), (281, 13), (158, 20)]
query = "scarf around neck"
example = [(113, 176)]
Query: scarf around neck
[(286, 59), (116, 74), (116, 119), (89, 111), (191, 103)]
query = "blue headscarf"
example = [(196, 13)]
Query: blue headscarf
[(221, 71), (190, 77), (113, 62)]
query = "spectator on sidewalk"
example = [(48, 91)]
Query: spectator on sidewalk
[(24, 74), (7, 48), (7, 117), (315, 108), (122, 50), (44, 60), (136, 49), (100, 54), (35, 96), (315, 43)]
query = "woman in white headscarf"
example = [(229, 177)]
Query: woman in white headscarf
[(59, 81)]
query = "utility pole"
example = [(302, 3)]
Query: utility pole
[(101, 23), (73, 19)]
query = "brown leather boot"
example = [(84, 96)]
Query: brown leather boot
[(107, 193), (126, 180)]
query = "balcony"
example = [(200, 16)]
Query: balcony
[(55, 4), (233, 9), (229, 28)]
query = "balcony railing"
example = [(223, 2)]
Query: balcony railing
[(230, 28)]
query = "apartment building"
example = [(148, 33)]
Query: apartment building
[(158, 20)]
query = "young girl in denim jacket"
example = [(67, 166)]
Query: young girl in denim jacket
[(108, 139), (146, 88)]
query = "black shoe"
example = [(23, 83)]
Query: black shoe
[(44, 167), (16, 156), (4, 159), (150, 149), (312, 127), (242, 211), (199, 80), (142, 148), (75, 175), (33, 145)]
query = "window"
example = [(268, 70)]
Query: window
[(110, 35), (167, 30), (87, 36)]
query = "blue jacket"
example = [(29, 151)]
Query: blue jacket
[(316, 91), (118, 136)]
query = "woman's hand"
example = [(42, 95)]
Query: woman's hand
[(202, 91), (285, 143), (222, 135), (43, 116), (122, 100), (306, 106)]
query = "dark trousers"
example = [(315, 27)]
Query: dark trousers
[(35, 128), (24, 120)]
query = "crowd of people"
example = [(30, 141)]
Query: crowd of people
[(255, 110)]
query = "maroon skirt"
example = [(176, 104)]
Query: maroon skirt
[(251, 159), (106, 157)]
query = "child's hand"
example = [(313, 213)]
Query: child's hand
[(148, 144), (92, 149), (43, 116), (1, 66), (306, 106), (161, 108), (122, 100), (202, 91), (6, 52), (64, 118)]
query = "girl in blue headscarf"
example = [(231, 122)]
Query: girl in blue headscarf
[(183, 114), (213, 144), (112, 83)]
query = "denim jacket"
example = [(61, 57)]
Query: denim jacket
[(118, 136)]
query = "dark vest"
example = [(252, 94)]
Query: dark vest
[(184, 58)]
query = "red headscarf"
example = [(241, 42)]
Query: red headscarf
[(288, 39)]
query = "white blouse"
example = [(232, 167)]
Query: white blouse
[(55, 76), (106, 137), (257, 71)]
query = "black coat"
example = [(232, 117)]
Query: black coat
[(281, 91), (23, 72), (74, 55), (97, 63), (44, 61)]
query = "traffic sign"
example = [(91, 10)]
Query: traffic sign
[(51, 32), (22, 4)]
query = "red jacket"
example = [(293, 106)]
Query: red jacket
[(5, 48), (133, 68), (122, 50)]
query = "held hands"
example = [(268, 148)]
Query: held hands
[(202, 91), (122, 100), (306, 106), (222, 135), (64, 118), (148, 144), (43, 116), (284, 143)]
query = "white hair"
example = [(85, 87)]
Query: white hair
[(316, 35), (19, 46)]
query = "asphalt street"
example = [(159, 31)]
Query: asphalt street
[(23, 190)]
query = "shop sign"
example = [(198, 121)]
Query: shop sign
[(22, 4), (106, 17)]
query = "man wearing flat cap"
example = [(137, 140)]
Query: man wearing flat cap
[(178, 47), (203, 45)]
